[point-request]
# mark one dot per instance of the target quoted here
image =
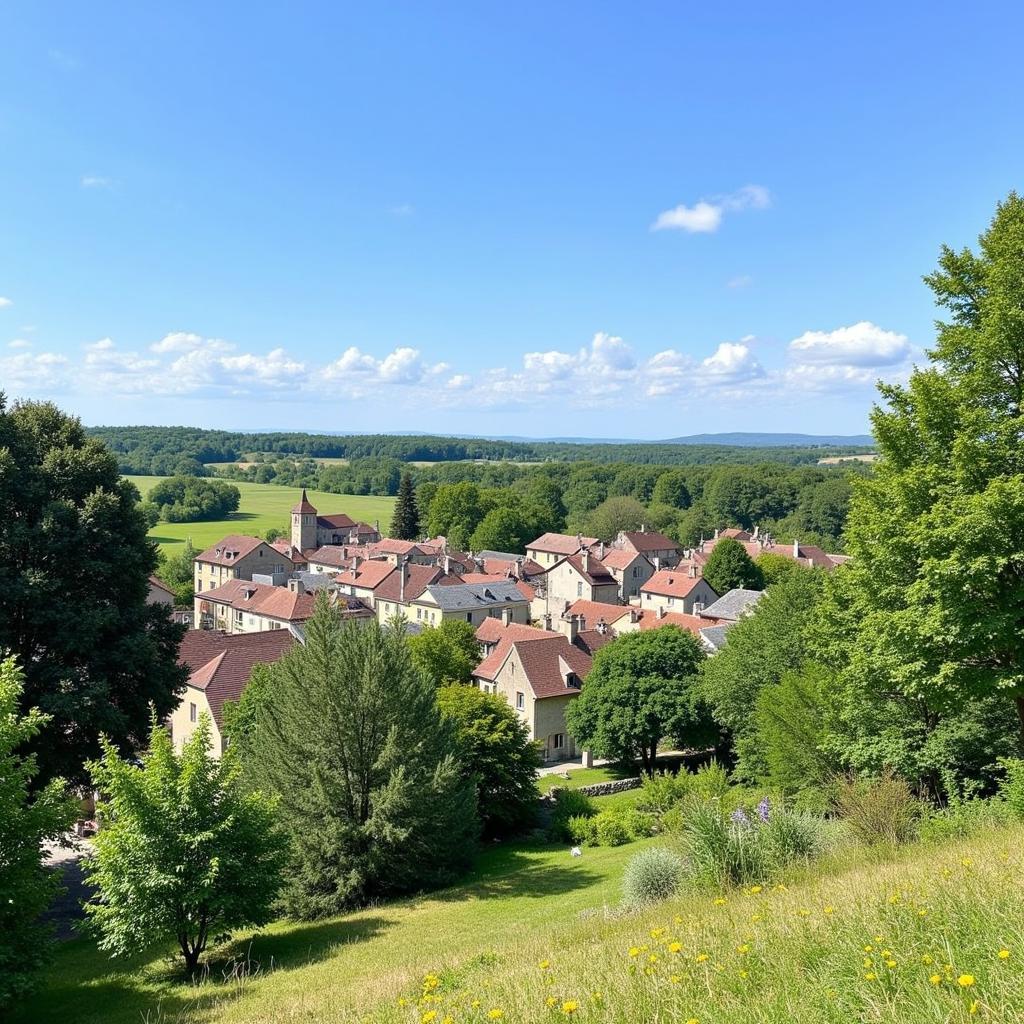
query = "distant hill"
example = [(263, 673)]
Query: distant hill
[(751, 440)]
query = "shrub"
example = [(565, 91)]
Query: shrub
[(879, 810), (569, 803), (581, 830), (610, 829), (1011, 789), (659, 793), (638, 823), (964, 818), (650, 876)]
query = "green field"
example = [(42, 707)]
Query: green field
[(263, 506)]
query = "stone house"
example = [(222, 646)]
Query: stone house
[(631, 569), (660, 550), (237, 557), (469, 602), (550, 548), (578, 576), (159, 592), (674, 591), (310, 530)]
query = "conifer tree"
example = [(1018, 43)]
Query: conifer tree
[(346, 729), (405, 522)]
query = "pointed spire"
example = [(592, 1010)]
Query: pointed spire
[(304, 505)]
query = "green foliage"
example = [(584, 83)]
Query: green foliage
[(615, 514), (761, 649), (611, 826), (660, 792), (789, 730), (405, 524), (881, 810), (651, 876), (184, 852), (641, 689), (447, 653), (454, 513), (923, 623), (497, 752), (191, 499), (504, 529), (776, 568), (276, 533), (373, 793), (570, 804), (178, 570), (1011, 788), (729, 566), (29, 817), (962, 819), (75, 564)]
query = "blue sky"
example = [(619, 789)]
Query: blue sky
[(594, 219)]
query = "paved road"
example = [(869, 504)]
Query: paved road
[(67, 908)]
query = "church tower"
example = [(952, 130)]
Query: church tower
[(304, 525)]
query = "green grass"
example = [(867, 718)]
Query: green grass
[(585, 777), (262, 507), (301, 971)]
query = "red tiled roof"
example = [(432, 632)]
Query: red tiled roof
[(594, 611), (338, 521), (804, 553), (229, 550), (691, 623), (392, 546), (614, 558), (262, 599), (369, 575), (494, 631), (590, 641), (285, 548), (596, 574), (735, 534), (304, 505), (560, 543), (671, 583), (542, 662), (644, 541), (330, 554), (221, 664), (417, 579)]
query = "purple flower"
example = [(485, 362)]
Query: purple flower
[(739, 816), (764, 808)]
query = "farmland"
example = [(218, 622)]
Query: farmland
[(263, 506)]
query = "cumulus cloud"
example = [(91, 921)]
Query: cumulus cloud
[(706, 215), (5, 302), (32, 373), (860, 344)]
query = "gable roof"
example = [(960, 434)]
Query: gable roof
[(732, 604), (293, 554), (281, 603), (474, 596), (672, 583), (417, 579), (494, 631), (644, 541), (337, 521), (543, 663), (595, 573), (622, 558), (230, 549), (330, 554), (714, 636), (691, 623), (560, 543), (220, 664), (158, 584), (594, 611), (369, 574)]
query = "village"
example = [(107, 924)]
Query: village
[(539, 617)]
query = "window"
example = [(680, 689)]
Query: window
[(520, 701), (469, 616), (193, 712), (579, 589), (636, 572), (671, 600), (556, 741), (238, 617), (199, 584)]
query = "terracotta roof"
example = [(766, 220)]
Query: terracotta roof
[(229, 550), (330, 554), (485, 577), (493, 631), (221, 664), (560, 543), (285, 548), (543, 663), (616, 558), (392, 546), (644, 540), (304, 505), (596, 574), (262, 599), (338, 521), (671, 583), (369, 575), (691, 623), (592, 640), (804, 552), (594, 611), (417, 579)]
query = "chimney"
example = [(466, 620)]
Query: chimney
[(403, 570), (506, 616), (643, 527), (546, 621), (586, 559), (357, 560), (756, 530), (574, 628), (579, 540), (796, 549), (600, 552), (296, 586), (634, 617), (716, 533), (447, 565), (376, 525), (693, 571), (661, 611), (698, 607), (602, 626)]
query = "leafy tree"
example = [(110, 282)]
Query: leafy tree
[(185, 853), (760, 649), (671, 489), (177, 571), (925, 621), (405, 523), (776, 568), (28, 819), (730, 566), (498, 753), (641, 689), (189, 499), (545, 496), (447, 653), (277, 533), (454, 513), (347, 731), (504, 529), (615, 514), (75, 564)]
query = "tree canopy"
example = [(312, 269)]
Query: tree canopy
[(447, 653), (730, 566), (642, 688), (75, 564), (405, 523), (191, 499)]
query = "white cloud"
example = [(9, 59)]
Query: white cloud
[(19, 343), (96, 181), (731, 361), (460, 382), (705, 216), (33, 373), (177, 341), (861, 344), (5, 302)]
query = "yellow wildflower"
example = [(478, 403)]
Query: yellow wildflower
[(495, 1014), (475, 1003), (656, 933), (702, 958), (965, 980), (428, 1016), (402, 1002), (570, 1006), (804, 912), (693, 1020), (867, 961), (890, 963), (926, 959), (653, 958), (967, 862), (757, 919), (544, 964), (973, 1008), (870, 976), (935, 979), (868, 948), (551, 1001), (743, 949), (634, 951), (679, 918), (721, 901), (1004, 954), (743, 974), (923, 912), (675, 947), (827, 910), (675, 979)]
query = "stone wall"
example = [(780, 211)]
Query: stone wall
[(603, 788)]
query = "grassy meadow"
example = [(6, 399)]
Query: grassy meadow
[(931, 932), (262, 507)]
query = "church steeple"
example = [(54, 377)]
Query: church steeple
[(304, 524)]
